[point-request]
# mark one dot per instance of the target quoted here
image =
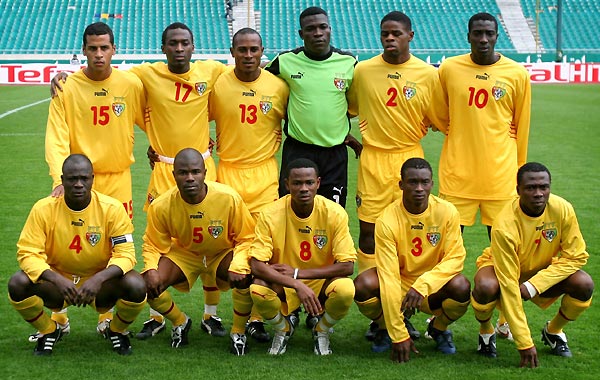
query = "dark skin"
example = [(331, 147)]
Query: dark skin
[(178, 47), (302, 184), (482, 37), (104, 287)]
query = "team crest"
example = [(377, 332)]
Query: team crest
[(265, 106), (409, 91), (93, 237), (320, 241), (340, 84), (499, 90), (118, 108), (549, 234), (215, 231), (200, 88), (434, 238)]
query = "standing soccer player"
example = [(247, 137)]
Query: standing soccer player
[(94, 115), (317, 125), (394, 95)]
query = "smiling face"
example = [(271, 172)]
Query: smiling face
[(247, 51), (395, 38), (534, 191), (316, 33), (178, 47)]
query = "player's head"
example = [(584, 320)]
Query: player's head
[(99, 48), (189, 172), (247, 50), (77, 180), (533, 187), (178, 46), (482, 36), (315, 31), (302, 180), (395, 35), (416, 181)]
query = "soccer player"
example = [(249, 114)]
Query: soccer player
[(394, 95), (317, 125), (77, 250), (259, 100), (419, 256), (197, 227), (302, 254), (536, 254), (489, 104), (94, 115)]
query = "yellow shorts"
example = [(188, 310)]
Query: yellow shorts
[(467, 208), (378, 177), (116, 185), (193, 265), (161, 179), (258, 185)]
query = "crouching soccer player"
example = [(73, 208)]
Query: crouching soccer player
[(302, 254), (77, 250), (536, 254)]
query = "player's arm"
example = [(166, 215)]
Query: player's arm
[(242, 225), (522, 117), (442, 105), (57, 142)]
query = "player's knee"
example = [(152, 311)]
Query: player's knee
[(366, 285), (459, 288), (134, 286), (18, 285), (583, 285), (486, 288), (343, 289)]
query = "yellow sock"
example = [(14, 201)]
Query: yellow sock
[(61, 316), (265, 300), (212, 296), (32, 311), (501, 318), (340, 295), (372, 309), (451, 311), (242, 304), (279, 323), (570, 309), (483, 314), (365, 261), (107, 315), (254, 314), (127, 312), (164, 305)]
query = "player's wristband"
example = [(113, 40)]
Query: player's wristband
[(530, 288), (296, 273)]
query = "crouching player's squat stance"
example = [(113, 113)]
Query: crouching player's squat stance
[(302, 254), (197, 227), (536, 253), (419, 256), (77, 250)]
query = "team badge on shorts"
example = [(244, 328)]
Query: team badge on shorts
[(434, 238), (340, 83), (215, 229), (200, 87), (320, 238), (410, 90), (118, 106), (265, 106), (93, 235), (549, 234), (498, 91)]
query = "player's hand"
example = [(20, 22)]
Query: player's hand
[(239, 281), (67, 289), (411, 302), (354, 144), (529, 358), (152, 156), (211, 144), (58, 191), (401, 351), (284, 269), (88, 291), (55, 83), (154, 285), (308, 298)]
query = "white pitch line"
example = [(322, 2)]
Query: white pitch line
[(22, 108)]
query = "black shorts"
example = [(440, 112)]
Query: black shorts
[(331, 161)]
